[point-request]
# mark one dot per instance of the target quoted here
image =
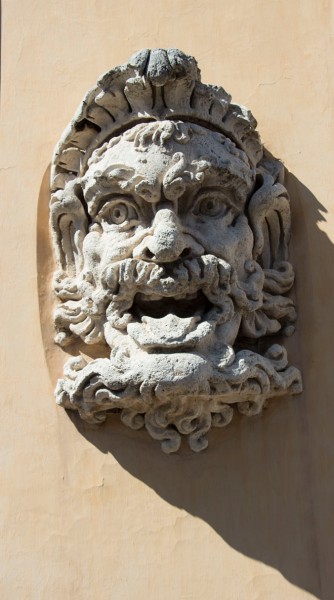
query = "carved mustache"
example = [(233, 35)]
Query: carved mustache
[(208, 273), (122, 280)]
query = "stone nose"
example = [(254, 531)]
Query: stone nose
[(167, 242)]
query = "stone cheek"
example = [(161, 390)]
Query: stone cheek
[(172, 254)]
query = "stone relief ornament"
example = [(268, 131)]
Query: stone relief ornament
[(170, 227)]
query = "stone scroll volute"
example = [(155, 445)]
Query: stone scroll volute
[(170, 225)]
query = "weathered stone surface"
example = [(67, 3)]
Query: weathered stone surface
[(171, 226)]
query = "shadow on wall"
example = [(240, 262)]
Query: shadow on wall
[(259, 484)]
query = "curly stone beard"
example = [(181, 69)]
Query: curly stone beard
[(171, 331)]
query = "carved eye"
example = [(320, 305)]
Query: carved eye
[(212, 205), (117, 212)]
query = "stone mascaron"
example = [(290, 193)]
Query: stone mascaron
[(170, 227)]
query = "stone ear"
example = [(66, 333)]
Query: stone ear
[(269, 217), (69, 224)]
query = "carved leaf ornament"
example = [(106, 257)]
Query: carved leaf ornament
[(170, 226)]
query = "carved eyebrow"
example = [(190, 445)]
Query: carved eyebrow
[(239, 186), (127, 179), (119, 180), (120, 174)]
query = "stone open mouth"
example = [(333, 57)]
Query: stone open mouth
[(158, 307), (169, 307), (171, 323)]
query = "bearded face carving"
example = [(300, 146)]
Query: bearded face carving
[(171, 228)]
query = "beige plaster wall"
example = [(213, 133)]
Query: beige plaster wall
[(104, 514)]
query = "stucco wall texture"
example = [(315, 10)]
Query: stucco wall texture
[(104, 514)]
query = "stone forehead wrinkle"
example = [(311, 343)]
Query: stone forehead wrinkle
[(187, 136), (123, 178), (104, 185), (153, 192)]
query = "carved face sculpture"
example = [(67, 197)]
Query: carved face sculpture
[(171, 242)]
